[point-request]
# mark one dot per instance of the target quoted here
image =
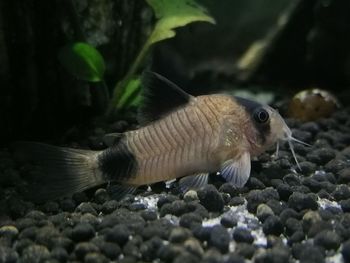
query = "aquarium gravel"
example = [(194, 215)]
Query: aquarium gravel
[(281, 215)]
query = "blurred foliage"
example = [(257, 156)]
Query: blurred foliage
[(86, 63), (170, 15), (83, 61)]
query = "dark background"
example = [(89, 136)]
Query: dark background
[(39, 100)]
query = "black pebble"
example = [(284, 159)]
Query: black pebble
[(346, 251), (109, 249), (297, 237), (344, 176), (177, 208), (273, 226), (211, 199), (219, 238), (101, 196), (109, 206), (310, 254), (278, 254), (228, 221), (236, 201), (118, 234), (327, 239), (149, 248), (256, 197), (345, 205), (83, 232), (284, 191), (190, 220), (60, 254), (341, 192), (242, 235), (148, 215), (229, 189), (234, 258), (300, 201), (167, 199), (8, 255), (245, 250)]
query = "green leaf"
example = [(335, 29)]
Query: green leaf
[(131, 95), (175, 13), (83, 61)]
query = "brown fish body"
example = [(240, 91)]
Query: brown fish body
[(194, 139), (184, 136)]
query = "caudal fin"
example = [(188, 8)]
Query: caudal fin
[(57, 171)]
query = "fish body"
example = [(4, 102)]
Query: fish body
[(184, 136)]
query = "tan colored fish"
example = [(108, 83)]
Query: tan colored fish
[(185, 136)]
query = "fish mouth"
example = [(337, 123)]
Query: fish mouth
[(287, 136)]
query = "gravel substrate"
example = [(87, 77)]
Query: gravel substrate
[(281, 215)]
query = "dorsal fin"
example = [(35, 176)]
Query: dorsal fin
[(160, 96)]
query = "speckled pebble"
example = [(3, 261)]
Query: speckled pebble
[(35, 253), (245, 250), (179, 235), (8, 231), (193, 246), (190, 196), (264, 211), (84, 248), (86, 207)]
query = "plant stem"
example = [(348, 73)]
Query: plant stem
[(121, 85), (105, 90)]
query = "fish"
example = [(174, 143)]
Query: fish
[(181, 137)]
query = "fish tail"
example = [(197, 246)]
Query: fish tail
[(57, 171)]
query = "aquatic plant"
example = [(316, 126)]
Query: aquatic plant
[(86, 63)]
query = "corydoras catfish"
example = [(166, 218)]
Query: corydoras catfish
[(183, 136)]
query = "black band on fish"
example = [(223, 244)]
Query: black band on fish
[(117, 163), (258, 115)]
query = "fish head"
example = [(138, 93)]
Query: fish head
[(266, 128)]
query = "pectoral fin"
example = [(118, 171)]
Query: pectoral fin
[(193, 181), (237, 171)]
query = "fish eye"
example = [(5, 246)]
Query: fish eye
[(261, 115)]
